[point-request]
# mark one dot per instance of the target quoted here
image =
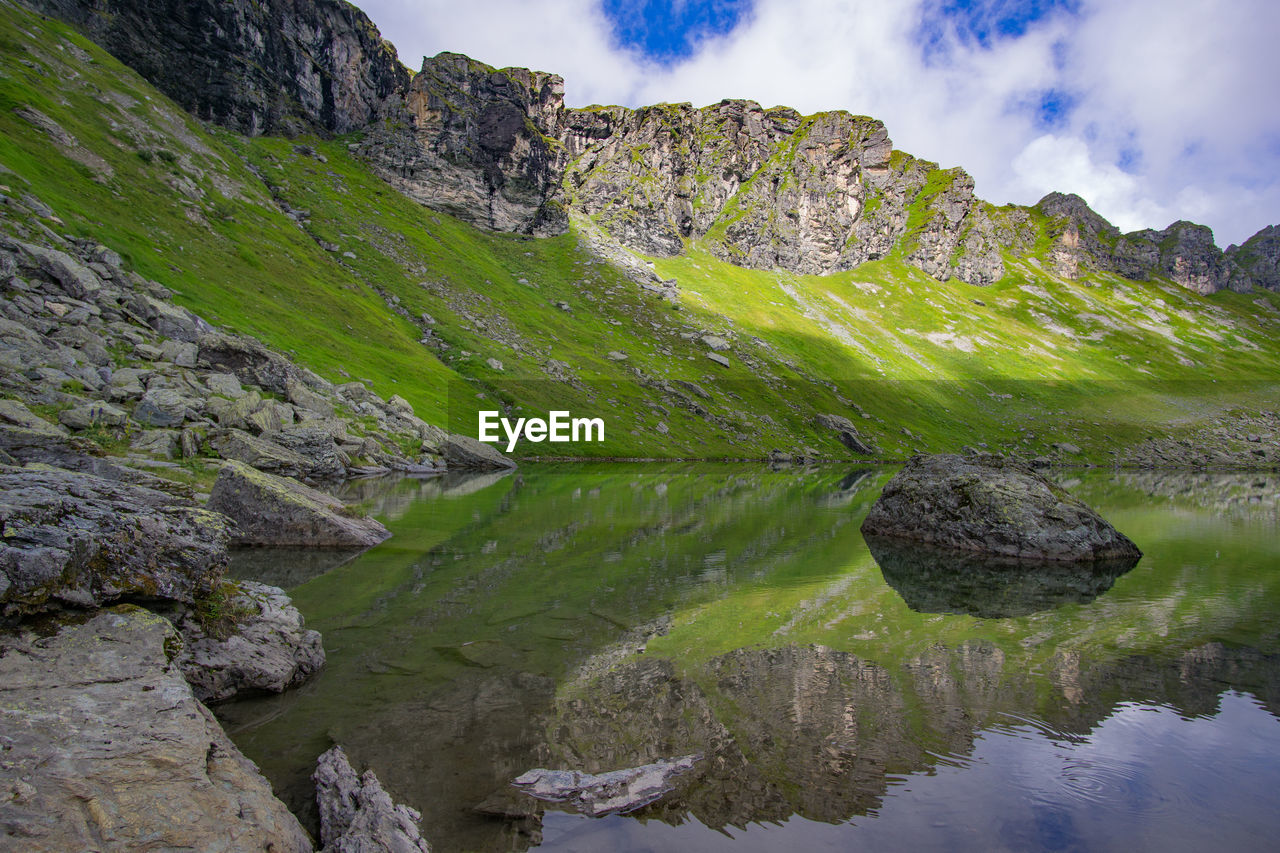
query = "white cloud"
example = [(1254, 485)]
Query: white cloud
[(1051, 162), (1181, 91)]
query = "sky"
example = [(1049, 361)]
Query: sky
[(1152, 110)]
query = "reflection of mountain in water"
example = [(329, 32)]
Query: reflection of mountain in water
[(809, 731), (492, 635), (934, 580)]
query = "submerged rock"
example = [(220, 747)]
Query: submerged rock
[(615, 792), (357, 815), (85, 540), (993, 506), (271, 510), (266, 649), (106, 748)]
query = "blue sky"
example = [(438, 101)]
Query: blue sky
[(1153, 110)]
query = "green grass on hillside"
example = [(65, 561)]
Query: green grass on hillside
[(361, 282)]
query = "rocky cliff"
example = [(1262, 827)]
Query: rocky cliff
[(274, 66), (477, 143), (762, 188), (1185, 251)]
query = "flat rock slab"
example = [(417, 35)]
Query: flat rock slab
[(268, 650), (615, 792), (993, 506), (357, 815), (81, 539), (105, 748), (271, 510)]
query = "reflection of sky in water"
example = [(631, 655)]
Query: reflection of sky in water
[(1146, 778)]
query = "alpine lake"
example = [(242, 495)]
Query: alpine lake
[(601, 617)]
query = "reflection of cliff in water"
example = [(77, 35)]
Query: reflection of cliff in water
[(809, 731), (935, 580), (512, 627)]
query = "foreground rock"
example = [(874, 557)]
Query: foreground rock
[(105, 747), (81, 539), (270, 510), (464, 452), (992, 506), (357, 815), (615, 792), (265, 649)]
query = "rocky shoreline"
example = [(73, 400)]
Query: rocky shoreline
[(138, 443)]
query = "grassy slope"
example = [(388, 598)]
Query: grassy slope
[(194, 209)]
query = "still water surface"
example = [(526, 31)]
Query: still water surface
[(604, 617)]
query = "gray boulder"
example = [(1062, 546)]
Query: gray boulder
[(105, 747), (847, 433), (15, 413), (166, 408), (85, 540), (248, 360), (50, 447), (260, 453), (615, 792), (464, 452), (76, 280), (270, 510), (994, 506), (266, 648), (357, 815), (163, 443), (90, 414), (315, 442), (304, 398)]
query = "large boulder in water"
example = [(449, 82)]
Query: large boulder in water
[(357, 815), (274, 511), (994, 506)]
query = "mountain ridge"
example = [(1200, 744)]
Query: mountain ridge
[(762, 188)]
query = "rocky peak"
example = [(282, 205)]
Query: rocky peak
[(256, 66), (1258, 259), (764, 188), (477, 142), (1185, 251)]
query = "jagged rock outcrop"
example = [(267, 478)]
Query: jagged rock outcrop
[(1259, 258), (105, 747), (478, 143), (994, 506), (1185, 251), (265, 648), (763, 188), (80, 539), (271, 510), (356, 813), (256, 67)]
